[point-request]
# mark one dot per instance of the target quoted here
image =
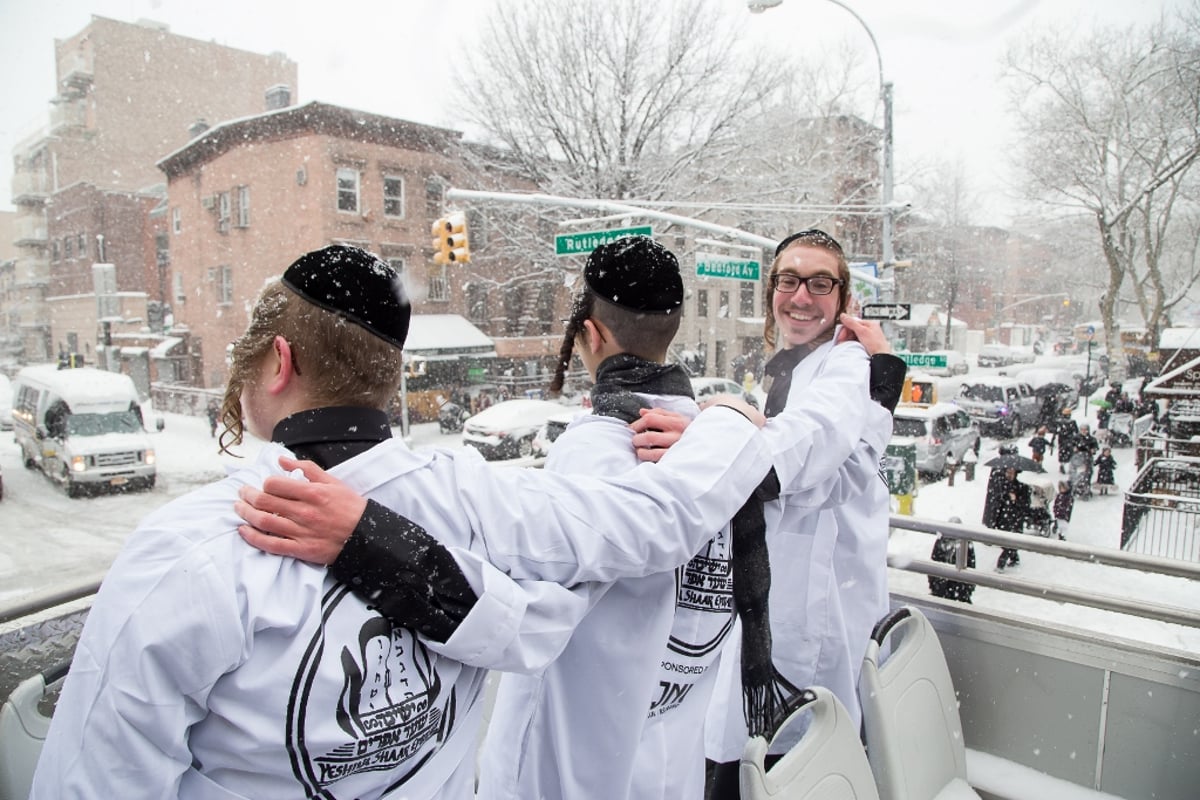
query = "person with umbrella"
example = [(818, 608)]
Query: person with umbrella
[(1008, 501), (1065, 432)]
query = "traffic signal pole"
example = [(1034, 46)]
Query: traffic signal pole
[(625, 209)]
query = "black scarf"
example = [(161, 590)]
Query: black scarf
[(764, 692)]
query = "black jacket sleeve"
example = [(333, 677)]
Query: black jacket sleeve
[(396, 567), (887, 379)]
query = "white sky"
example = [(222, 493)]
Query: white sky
[(942, 58)]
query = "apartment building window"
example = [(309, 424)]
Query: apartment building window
[(435, 191), (477, 228), (222, 280), (702, 303), (439, 284), (347, 190), (398, 265), (746, 299), (477, 303), (723, 306), (82, 242), (54, 250), (393, 196), (176, 221), (177, 285), (223, 212), (243, 207), (67, 247)]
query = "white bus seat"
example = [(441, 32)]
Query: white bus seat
[(828, 763), (23, 730), (910, 713)]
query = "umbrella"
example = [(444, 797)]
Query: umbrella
[(1102, 403), (1016, 462), (1051, 389)]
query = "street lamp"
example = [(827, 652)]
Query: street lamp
[(888, 255)]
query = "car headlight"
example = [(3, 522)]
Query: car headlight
[(78, 463), (149, 456)]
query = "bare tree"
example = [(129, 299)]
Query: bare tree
[(1110, 126), (612, 98)]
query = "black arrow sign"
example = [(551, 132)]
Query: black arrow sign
[(893, 311)]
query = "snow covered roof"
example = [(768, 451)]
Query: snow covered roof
[(163, 348), (433, 335), (1179, 338)]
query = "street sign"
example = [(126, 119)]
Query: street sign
[(738, 269), (578, 244), (893, 311), (930, 360)]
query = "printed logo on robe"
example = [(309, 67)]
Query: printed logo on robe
[(371, 689), (703, 585)]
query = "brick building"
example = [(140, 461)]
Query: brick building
[(248, 196), (126, 94)]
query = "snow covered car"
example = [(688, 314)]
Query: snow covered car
[(6, 393), (706, 388), (940, 432), (995, 355), (506, 430), (552, 429), (1002, 404)]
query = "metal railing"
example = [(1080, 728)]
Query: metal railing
[(1068, 550), (1162, 509)]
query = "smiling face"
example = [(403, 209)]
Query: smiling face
[(802, 318)]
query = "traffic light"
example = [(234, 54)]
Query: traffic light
[(460, 250), (450, 242), (441, 248)]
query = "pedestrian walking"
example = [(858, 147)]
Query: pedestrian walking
[(214, 413), (1064, 504), (1038, 445), (1064, 438), (1106, 467), (945, 551), (1007, 504)]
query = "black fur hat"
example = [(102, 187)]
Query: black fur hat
[(635, 273), (355, 284)]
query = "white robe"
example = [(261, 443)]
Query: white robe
[(210, 669), (828, 547), (620, 713)]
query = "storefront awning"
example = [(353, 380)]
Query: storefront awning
[(441, 337)]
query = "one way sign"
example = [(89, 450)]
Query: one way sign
[(893, 311)]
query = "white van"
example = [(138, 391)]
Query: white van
[(83, 428)]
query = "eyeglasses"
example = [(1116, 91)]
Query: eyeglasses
[(787, 283), (812, 235)]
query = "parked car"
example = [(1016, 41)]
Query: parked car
[(506, 430), (1023, 355), (6, 393), (552, 429), (1045, 380), (705, 388), (940, 432), (1001, 404), (994, 355), (956, 363)]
